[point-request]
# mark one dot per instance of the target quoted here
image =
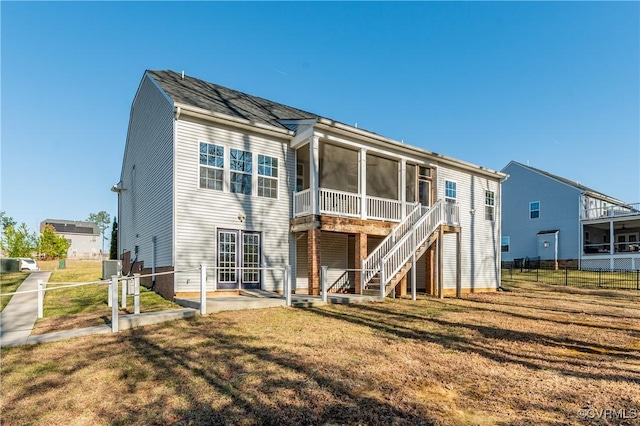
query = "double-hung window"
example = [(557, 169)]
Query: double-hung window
[(267, 176), (450, 191), (211, 166), (489, 205), (534, 210), (241, 169)]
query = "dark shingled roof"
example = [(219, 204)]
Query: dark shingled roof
[(216, 98), (71, 227)]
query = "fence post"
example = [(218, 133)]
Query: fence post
[(566, 276), (323, 282), (125, 284), (203, 289), (136, 293), (600, 277), (382, 280), (638, 279), (110, 295), (40, 299), (287, 285), (538, 274), (114, 304)]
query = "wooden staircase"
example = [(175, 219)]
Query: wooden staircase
[(393, 262)]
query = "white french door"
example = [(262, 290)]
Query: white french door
[(238, 255)]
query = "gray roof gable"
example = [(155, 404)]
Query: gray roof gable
[(565, 181), (219, 99)]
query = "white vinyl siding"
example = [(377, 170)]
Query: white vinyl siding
[(480, 238), (147, 178), (199, 213)]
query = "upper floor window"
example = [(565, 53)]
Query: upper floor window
[(534, 210), (211, 166), (489, 205), (450, 191), (505, 242), (267, 176), (241, 169)]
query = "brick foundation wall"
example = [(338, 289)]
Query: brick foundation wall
[(164, 283)]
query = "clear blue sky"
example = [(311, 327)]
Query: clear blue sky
[(552, 84)]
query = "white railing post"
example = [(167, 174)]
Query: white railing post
[(323, 282), (136, 293), (203, 289), (287, 285), (114, 303), (110, 295), (40, 299), (382, 279), (125, 284), (362, 277)]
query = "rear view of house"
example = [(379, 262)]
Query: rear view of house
[(566, 224), (83, 236), (246, 186)]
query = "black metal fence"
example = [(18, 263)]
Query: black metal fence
[(600, 278)]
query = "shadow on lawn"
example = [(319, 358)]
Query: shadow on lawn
[(295, 393), (447, 336)]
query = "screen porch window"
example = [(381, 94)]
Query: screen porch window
[(534, 210), (267, 176), (241, 169), (489, 205), (211, 166)]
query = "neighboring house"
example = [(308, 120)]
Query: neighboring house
[(83, 236), (214, 176), (566, 224)]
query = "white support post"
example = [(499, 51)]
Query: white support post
[(382, 279), (125, 284), (203, 289), (109, 295), (362, 178), (136, 293), (362, 272), (114, 303), (323, 282), (40, 299), (314, 173), (414, 283), (287, 285), (403, 188)]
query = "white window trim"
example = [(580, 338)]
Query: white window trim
[(492, 206), (539, 209), (224, 166), (508, 244), (445, 190), (277, 177)]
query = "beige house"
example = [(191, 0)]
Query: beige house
[(83, 236)]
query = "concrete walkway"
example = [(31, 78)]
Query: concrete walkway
[(19, 316)]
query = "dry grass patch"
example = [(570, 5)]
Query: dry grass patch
[(9, 283), (530, 356)]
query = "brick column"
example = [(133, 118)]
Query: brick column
[(361, 253), (313, 252)]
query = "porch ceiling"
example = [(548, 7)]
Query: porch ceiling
[(618, 223)]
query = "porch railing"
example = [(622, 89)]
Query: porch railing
[(302, 203), (611, 211), (402, 251), (339, 202), (371, 265), (384, 209)]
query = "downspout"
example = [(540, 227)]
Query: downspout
[(499, 245)]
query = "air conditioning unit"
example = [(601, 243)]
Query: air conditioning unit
[(111, 267)]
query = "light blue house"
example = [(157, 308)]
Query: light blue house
[(564, 223)]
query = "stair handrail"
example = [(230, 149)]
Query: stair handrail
[(370, 265), (401, 252)]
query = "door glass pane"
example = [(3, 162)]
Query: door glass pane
[(227, 257), (250, 257), (424, 192)]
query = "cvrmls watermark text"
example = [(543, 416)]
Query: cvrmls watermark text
[(593, 413)]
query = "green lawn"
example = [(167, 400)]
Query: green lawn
[(9, 283), (85, 306)]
